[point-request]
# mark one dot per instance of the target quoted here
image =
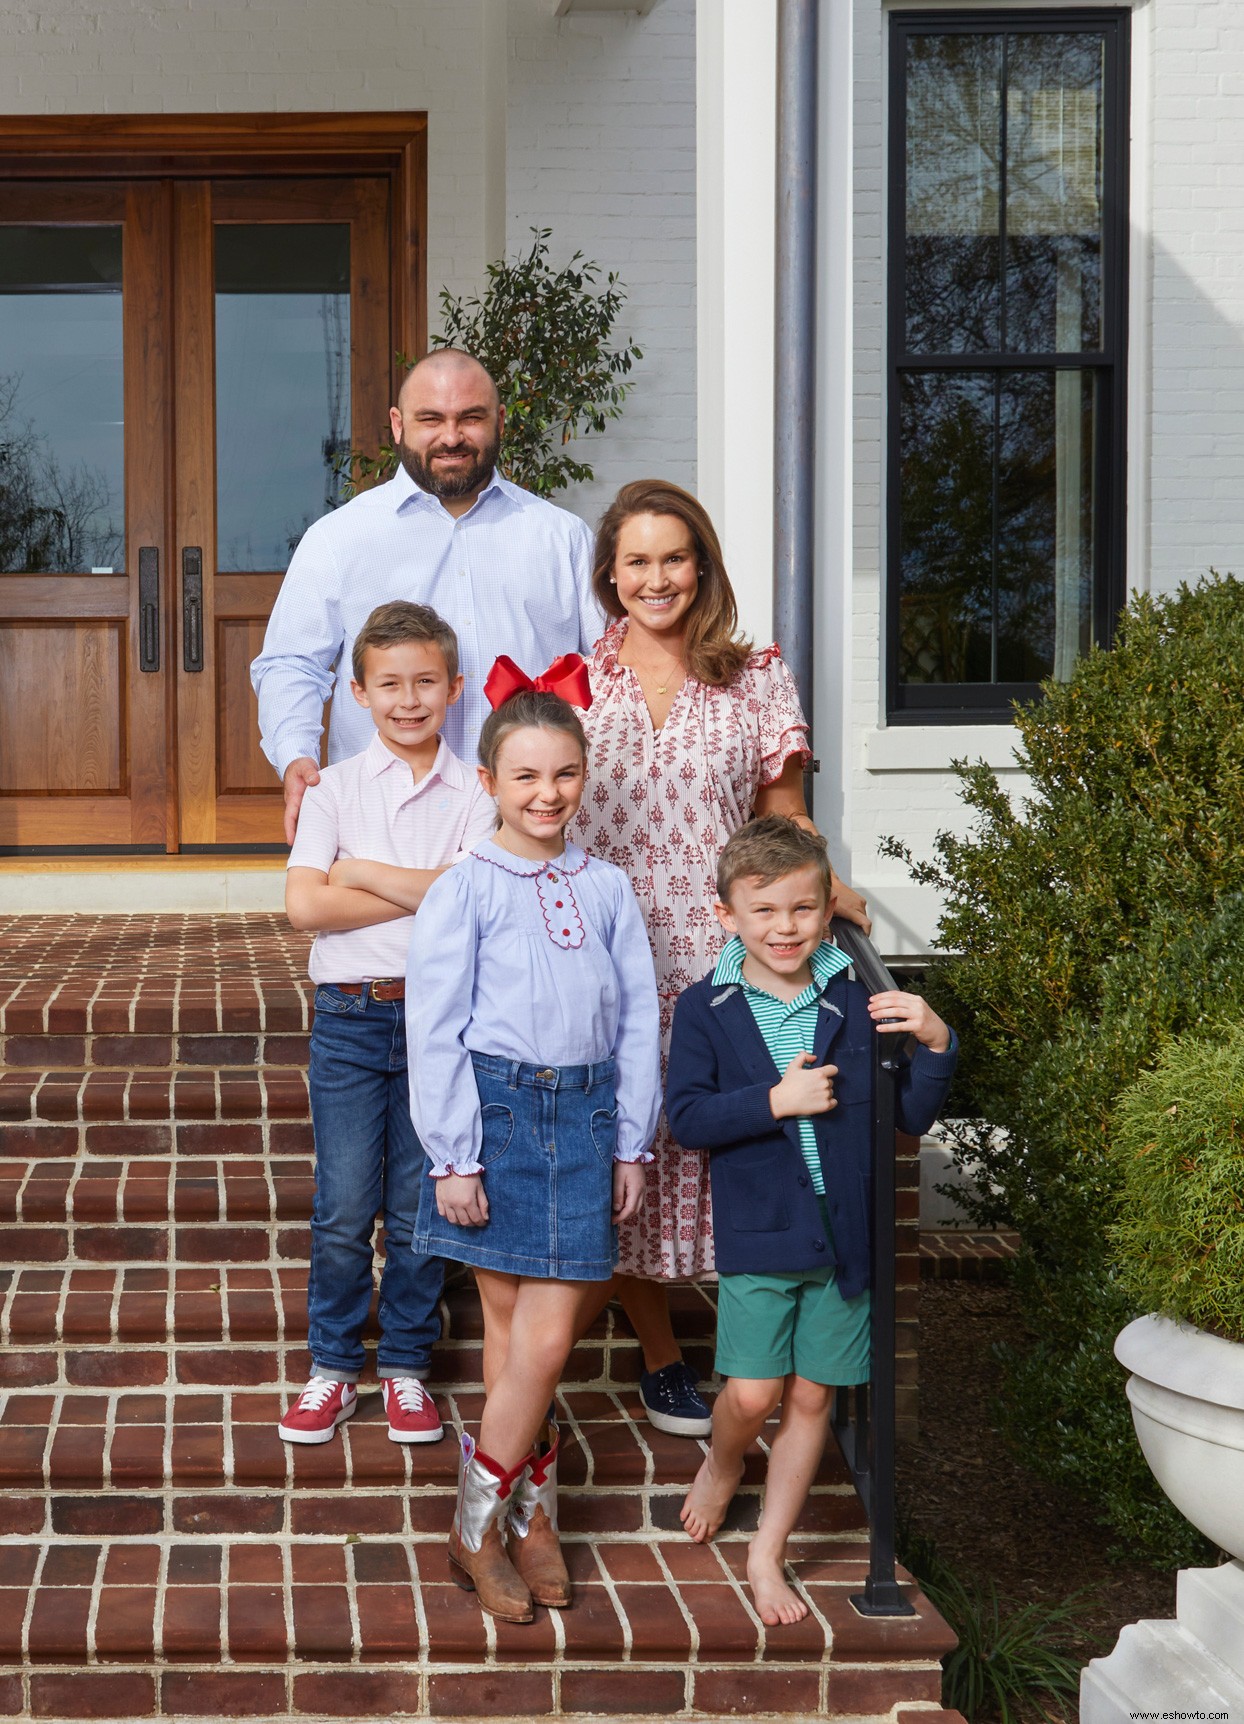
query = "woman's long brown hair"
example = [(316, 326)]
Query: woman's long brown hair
[(713, 650)]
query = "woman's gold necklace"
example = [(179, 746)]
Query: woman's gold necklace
[(661, 687)]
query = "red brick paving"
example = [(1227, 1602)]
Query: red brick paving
[(162, 1553)]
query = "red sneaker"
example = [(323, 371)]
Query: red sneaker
[(317, 1412), (413, 1417)]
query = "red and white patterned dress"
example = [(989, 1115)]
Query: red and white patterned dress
[(660, 805)]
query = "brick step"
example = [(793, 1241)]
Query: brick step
[(90, 1209), (188, 1440), (91, 1188), (235, 1327), (285, 1592), (249, 1049), (112, 1627), (136, 1304), (189, 995), (152, 1094)]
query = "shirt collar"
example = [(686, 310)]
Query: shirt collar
[(446, 766), (571, 861), (407, 493), (825, 963)]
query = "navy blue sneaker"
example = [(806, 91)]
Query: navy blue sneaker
[(673, 1403)]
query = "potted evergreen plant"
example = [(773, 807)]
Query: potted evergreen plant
[(1179, 1251)]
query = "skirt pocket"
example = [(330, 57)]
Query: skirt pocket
[(497, 1129), (603, 1126)]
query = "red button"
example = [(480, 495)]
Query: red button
[(558, 905), (566, 932)]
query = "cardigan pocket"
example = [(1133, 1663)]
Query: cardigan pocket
[(755, 1201)]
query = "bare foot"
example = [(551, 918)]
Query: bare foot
[(708, 1499), (775, 1602)]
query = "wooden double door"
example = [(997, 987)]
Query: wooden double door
[(187, 359)]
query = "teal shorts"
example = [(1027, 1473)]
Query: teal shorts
[(771, 1325)]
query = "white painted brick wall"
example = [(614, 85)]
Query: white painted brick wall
[(242, 56), (1191, 149), (1186, 480), (600, 147), (599, 136)]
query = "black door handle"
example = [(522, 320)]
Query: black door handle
[(148, 607), (192, 607)]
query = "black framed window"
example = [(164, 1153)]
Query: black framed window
[(1007, 335)]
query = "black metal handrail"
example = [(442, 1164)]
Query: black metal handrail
[(866, 1434)]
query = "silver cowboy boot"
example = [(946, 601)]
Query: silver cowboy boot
[(477, 1558), (534, 1549)]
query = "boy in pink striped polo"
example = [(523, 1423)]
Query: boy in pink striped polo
[(372, 836)]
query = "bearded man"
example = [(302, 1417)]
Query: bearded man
[(509, 571)]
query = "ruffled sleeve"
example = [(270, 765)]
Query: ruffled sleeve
[(637, 1044), (440, 984), (783, 728)]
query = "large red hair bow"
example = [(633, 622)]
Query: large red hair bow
[(566, 676)]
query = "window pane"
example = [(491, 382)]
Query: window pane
[(62, 460), (282, 385), (964, 617), (1054, 192), (953, 193), (946, 539), (1046, 522)]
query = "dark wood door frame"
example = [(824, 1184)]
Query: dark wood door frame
[(121, 150), (251, 146)]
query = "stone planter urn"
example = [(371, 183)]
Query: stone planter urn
[(1187, 1395)]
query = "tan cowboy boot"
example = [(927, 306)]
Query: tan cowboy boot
[(534, 1549), (477, 1559)]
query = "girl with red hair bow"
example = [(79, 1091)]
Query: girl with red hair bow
[(532, 1030)]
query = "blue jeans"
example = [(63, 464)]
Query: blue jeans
[(368, 1161)]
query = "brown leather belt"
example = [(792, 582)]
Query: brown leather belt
[(383, 988)]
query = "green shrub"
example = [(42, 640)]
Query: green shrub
[(545, 336), (1091, 924), (1007, 1663), (1067, 1415), (1179, 1141)]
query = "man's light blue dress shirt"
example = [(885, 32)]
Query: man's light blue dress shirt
[(512, 575)]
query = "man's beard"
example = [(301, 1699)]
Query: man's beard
[(462, 483)]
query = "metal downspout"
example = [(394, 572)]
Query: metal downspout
[(795, 340)]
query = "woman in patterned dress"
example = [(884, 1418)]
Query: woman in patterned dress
[(691, 733)]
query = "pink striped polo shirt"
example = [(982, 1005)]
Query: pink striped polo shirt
[(370, 806)]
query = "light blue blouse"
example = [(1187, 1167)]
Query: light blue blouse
[(548, 964)]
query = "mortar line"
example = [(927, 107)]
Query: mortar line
[(31, 1596), (92, 1615)]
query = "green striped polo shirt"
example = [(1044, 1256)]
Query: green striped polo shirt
[(788, 1026)]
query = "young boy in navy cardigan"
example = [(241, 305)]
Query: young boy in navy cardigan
[(789, 1135)]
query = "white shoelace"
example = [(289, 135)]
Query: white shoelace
[(409, 1393), (316, 1393)]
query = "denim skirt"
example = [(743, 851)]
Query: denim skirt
[(547, 1155)]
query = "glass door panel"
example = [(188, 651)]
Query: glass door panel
[(282, 385), (62, 400), (285, 295), (82, 730)]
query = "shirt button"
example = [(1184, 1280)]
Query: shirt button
[(803, 1179), (461, 573), (818, 1245)]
